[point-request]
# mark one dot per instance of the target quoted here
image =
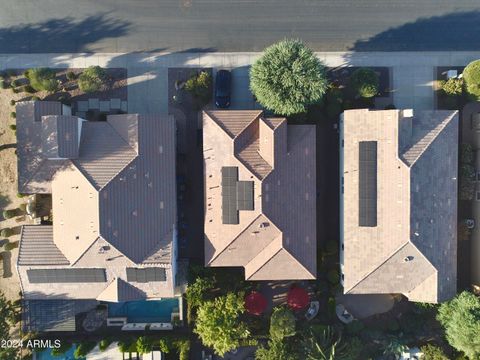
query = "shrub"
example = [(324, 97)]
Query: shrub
[(200, 86), (144, 345), (8, 214), (467, 172), (43, 79), (64, 347), (365, 82), (453, 87), (460, 318), (13, 114), (288, 78), (83, 349), (333, 277), (183, 348), (355, 327), (29, 89), (282, 323), (26, 73), (34, 98), (104, 344), (466, 153), (5, 233), (15, 83), (432, 352), (471, 76), (11, 245), (165, 344), (71, 75), (92, 79), (20, 196), (23, 207), (128, 345), (12, 102), (12, 127)]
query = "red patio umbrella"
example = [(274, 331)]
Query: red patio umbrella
[(297, 298), (255, 303)]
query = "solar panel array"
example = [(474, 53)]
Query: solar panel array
[(245, 195), (229, 195), (45, 276), (146, 274), (367, 184)]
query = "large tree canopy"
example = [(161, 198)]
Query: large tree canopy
[(288, 77), (461, 319), (471, 76), (218, 324), (276, 350)]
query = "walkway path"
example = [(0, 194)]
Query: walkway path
[(413, 72)]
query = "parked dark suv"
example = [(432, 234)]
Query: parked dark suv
[(223, 82)]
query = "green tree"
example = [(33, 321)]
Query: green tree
[(196, 294), (460, 318), (7, 316), (43, 79), (323, 343), (453, 87), (432, 352), (92, 79), (144, 345), (183, 348), (200, 86), (282, 323), (471, 76), (165, 344), (218, 324), (276, 350), (288, 77), (83, 349), (365, 82)]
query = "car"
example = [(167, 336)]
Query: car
[(223, 82)]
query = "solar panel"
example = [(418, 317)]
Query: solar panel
[(44, 276), (146, 275), (367, 184), (245, 195), (229, 195)]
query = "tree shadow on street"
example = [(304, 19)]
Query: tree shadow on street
[(61, 35)]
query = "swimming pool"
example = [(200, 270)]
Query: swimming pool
[(144, 311), (46, 355)]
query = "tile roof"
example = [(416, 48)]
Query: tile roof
[(119, 191), (277, 239), (34, 169), (119, 290), (412, 248), (38, 248), (60, 136)]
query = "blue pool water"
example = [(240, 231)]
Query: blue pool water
[(46, 355), (144, 311)]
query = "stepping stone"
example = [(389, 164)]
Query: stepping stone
[(81, 114), (104, 106), (124, 106), (93, 103), (82, 105), (115, 103)]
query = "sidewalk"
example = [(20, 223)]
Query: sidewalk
[(413, 72)]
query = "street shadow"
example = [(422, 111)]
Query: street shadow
[(61, 35), (455, 32)]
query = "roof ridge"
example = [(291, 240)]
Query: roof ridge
[(257, 117), (260, 253), (346, 291), (437, 130)]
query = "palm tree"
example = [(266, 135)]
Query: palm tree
[(323, 343)]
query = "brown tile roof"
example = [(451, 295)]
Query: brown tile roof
[(412, 248), (38, 248), (277, 239), (119, 290), (60, 136)]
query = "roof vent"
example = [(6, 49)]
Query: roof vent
[(263, 225), (408, 258)]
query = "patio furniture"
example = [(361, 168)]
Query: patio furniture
[(343, 315), (255, 303), (297, 298), (134, 326), (312, 310), (161, 326)]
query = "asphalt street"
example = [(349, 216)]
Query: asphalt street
[(51, 26)]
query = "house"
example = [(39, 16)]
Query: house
[(113, 188), (398, 203), (260, 195)]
